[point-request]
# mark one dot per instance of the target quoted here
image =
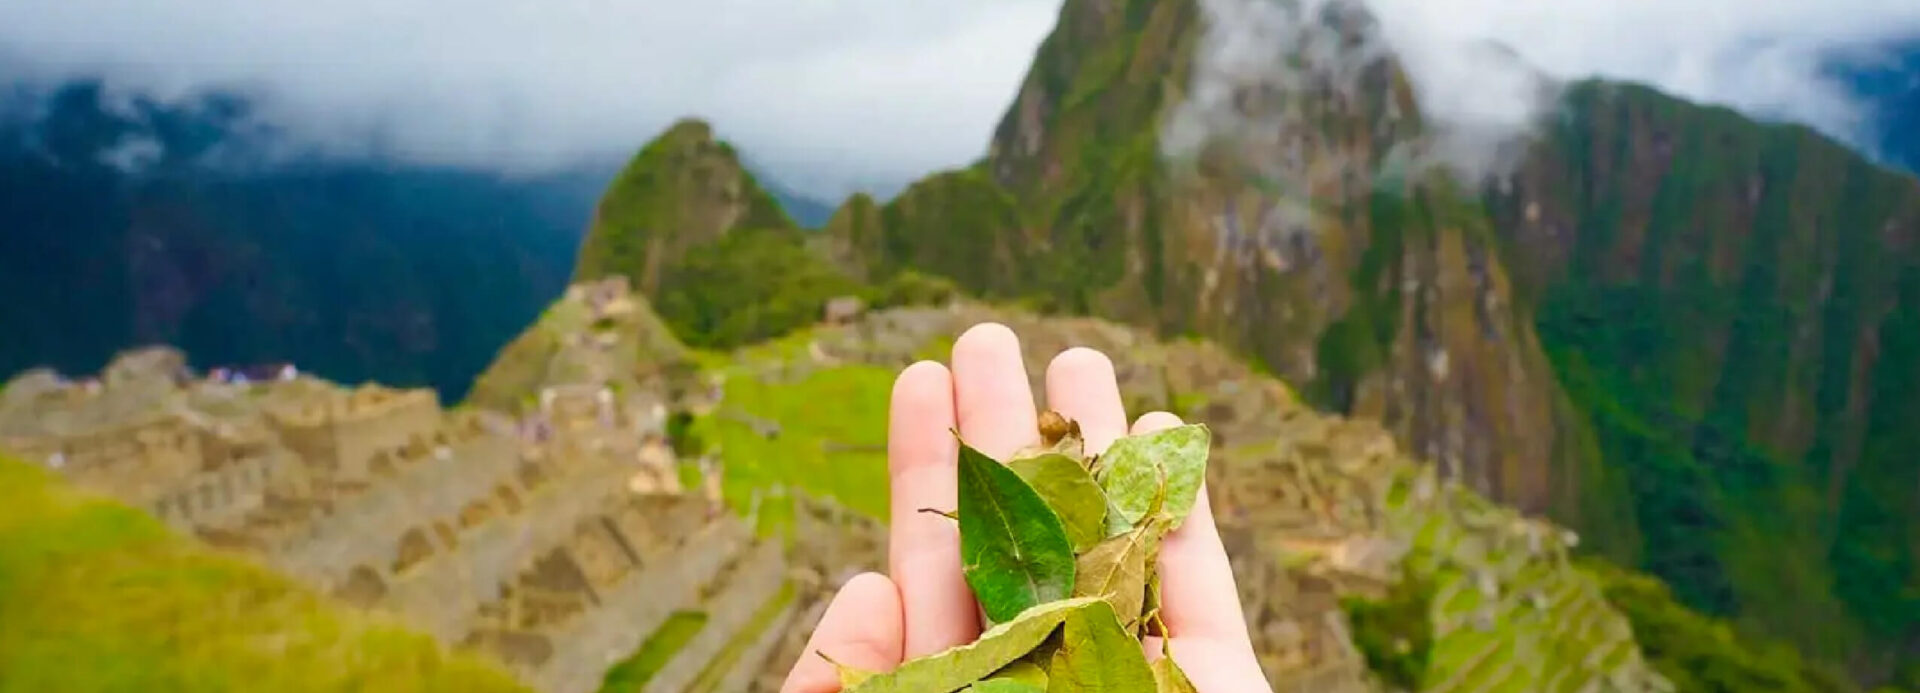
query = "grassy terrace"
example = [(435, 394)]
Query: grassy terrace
[(822, 432), (729, 657), (96, 596), (632, 674)]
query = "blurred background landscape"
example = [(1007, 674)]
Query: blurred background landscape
[(370, 347)]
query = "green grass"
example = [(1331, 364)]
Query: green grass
[(831, 440), (633, 673), (729, 656), (96, 596)]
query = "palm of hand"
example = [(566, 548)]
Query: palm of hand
[(924, 606)]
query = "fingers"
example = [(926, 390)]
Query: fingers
[(990, 391), (1197, 593), (861, 629), (924, 549), (1082, 387)]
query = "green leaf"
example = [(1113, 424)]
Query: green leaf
[(1116, 570), (1098, 654), (1014, 552), (1168, 678), (1117, 522), (1024, 670), (1067, 488), (1155, 473), (1005, 686), (849, 676), (957, 667)]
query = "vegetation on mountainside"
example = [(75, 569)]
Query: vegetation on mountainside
[(684, 189), (1358, 343), (1703, 654), (101, 597), (723, 263), (1049, 223), (748, 286), (1394, 633), (1724, 359)]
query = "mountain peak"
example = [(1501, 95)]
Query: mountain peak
[(689, 129), (685, 189)]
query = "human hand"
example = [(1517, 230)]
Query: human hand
[(924, 606)]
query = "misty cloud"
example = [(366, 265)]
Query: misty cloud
[(1765, 57), (1485, 71), (832, 93), (835, 94)]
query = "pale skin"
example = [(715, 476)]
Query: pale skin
[(922, 605)]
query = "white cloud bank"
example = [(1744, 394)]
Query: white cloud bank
[(1484, 70), (834, 94)]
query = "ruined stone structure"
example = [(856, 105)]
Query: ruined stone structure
[(555, 537)]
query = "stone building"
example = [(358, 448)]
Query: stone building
[(339, 433)]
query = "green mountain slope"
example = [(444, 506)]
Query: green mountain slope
[(692, 229), (101, 597), (684, 189), (1730, 307)]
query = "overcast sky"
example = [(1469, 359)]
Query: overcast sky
[(828, 94)]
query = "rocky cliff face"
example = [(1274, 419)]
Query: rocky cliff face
[(1383, 296), (1728, 305)]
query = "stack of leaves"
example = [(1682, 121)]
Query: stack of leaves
[(1061, 551)]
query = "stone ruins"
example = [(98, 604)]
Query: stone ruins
[(558, 537)]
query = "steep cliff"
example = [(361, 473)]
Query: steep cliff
[(1729, 307), (1379, 291)]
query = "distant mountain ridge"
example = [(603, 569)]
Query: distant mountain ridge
[(133, 222)]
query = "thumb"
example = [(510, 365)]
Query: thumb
[(862, 629)]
